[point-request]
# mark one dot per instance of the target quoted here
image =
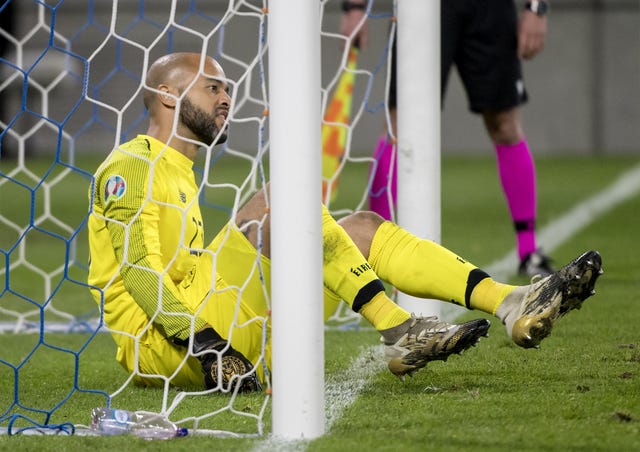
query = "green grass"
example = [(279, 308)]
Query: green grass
[(579, 392)]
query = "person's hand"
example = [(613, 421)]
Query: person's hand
[(351, 20), (221, 361), (532, 32)]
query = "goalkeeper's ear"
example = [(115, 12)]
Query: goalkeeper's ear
[(160, 95), (167, 98)]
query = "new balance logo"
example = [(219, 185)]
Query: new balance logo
[(183, 197)]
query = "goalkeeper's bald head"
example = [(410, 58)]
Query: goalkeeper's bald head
[(176, 70), (187, 96)]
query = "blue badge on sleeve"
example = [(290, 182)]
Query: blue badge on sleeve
[(114, 189)]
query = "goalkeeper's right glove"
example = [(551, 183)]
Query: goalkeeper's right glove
[(229, 364)]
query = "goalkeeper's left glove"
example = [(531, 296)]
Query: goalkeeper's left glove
[(231, 364)]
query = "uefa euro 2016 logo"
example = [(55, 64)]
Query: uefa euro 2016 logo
[(114, 189)]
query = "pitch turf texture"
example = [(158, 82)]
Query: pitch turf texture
[(579, 392)]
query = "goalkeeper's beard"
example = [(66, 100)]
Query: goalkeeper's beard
[(200, 123)]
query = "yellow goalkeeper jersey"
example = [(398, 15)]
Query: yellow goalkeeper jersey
[(145, 233)]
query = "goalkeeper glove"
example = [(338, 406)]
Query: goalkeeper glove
[(228, 364)]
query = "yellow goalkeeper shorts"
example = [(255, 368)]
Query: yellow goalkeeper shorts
[(231, 307)]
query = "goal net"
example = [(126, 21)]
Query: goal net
[(70, 92)]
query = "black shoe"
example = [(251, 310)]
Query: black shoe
[(412, 344), (534, 264), (529, 312)]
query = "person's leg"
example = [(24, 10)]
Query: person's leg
[(383, 170), (516, 170), (346, 271), (348, 274), (425, 269), (517, 174), (491, 73), (383, 191), (144, 351), (411, 341), (227, 309), (529, 312), (156, 357)]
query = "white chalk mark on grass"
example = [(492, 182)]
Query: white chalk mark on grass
[(343, 388), (341, 391)]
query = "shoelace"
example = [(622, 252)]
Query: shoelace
[(434, 328)]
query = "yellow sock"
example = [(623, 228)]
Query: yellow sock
[(420, 267), (346, 271), (383, 313), (348, 274), (488, 294)]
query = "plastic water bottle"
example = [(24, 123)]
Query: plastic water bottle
[(109, 421)]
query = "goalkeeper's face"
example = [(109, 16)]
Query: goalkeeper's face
[(205, 107), (204, 125)]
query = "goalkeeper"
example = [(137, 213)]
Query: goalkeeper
[(174, 306)]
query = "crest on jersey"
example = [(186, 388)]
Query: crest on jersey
[(115, 188)]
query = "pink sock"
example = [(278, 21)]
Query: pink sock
[(517, 174), (383, 168)]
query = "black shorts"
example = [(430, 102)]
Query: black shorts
[(479, 37)]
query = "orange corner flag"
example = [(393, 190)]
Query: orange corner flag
[(335, 125)]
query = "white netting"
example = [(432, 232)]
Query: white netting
[(70, 91)]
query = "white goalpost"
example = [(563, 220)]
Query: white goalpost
[(71, 91), (418, 146), (296, 290)]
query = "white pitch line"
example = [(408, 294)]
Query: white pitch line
[(563, 228), (342, 389), (559, 231)]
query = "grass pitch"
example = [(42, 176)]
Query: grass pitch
[(579, 392)]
